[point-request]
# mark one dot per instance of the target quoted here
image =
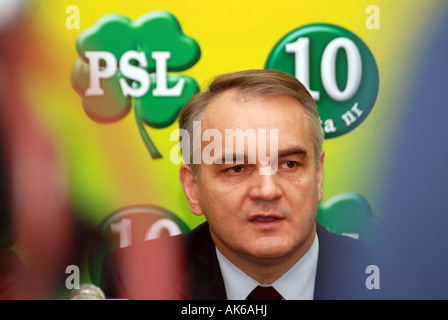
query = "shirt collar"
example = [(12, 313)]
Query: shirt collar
[(296, 284)]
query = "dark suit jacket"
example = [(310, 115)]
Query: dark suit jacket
[(186, 267)]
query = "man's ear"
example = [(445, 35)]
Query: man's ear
[(189, 185), (320, 176)]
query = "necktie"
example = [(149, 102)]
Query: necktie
[(264, 293)]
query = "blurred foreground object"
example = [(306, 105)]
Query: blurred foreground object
[(12, 271), (39, 216), (11, 11)]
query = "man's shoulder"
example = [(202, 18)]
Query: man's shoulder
[(342, 266), (340, 244)]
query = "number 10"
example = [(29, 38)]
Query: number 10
[(124, 230), (328, 67)]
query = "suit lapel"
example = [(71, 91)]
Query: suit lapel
[(202, 279), (323, 264)]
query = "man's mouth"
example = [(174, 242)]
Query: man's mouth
[(264, 219)]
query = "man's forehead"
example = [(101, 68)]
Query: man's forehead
[(257, 118), (228, 106), (219, 103)]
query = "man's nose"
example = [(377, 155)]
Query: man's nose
[(265, 187)]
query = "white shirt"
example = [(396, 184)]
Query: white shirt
[(296, 284)]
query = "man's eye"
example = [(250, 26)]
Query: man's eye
[(236, 169), (289, 164)]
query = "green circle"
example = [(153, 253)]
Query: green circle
[(105, 245), (337, 117)]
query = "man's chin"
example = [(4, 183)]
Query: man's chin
[(270, 249)]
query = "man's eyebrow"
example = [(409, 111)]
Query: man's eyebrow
[(294, 150)]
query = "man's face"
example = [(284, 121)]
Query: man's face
[(254, 216)]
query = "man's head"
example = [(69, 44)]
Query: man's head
[(251, 83), (253, 217)]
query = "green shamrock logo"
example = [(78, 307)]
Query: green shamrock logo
[(349, 214), (127, 64)]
